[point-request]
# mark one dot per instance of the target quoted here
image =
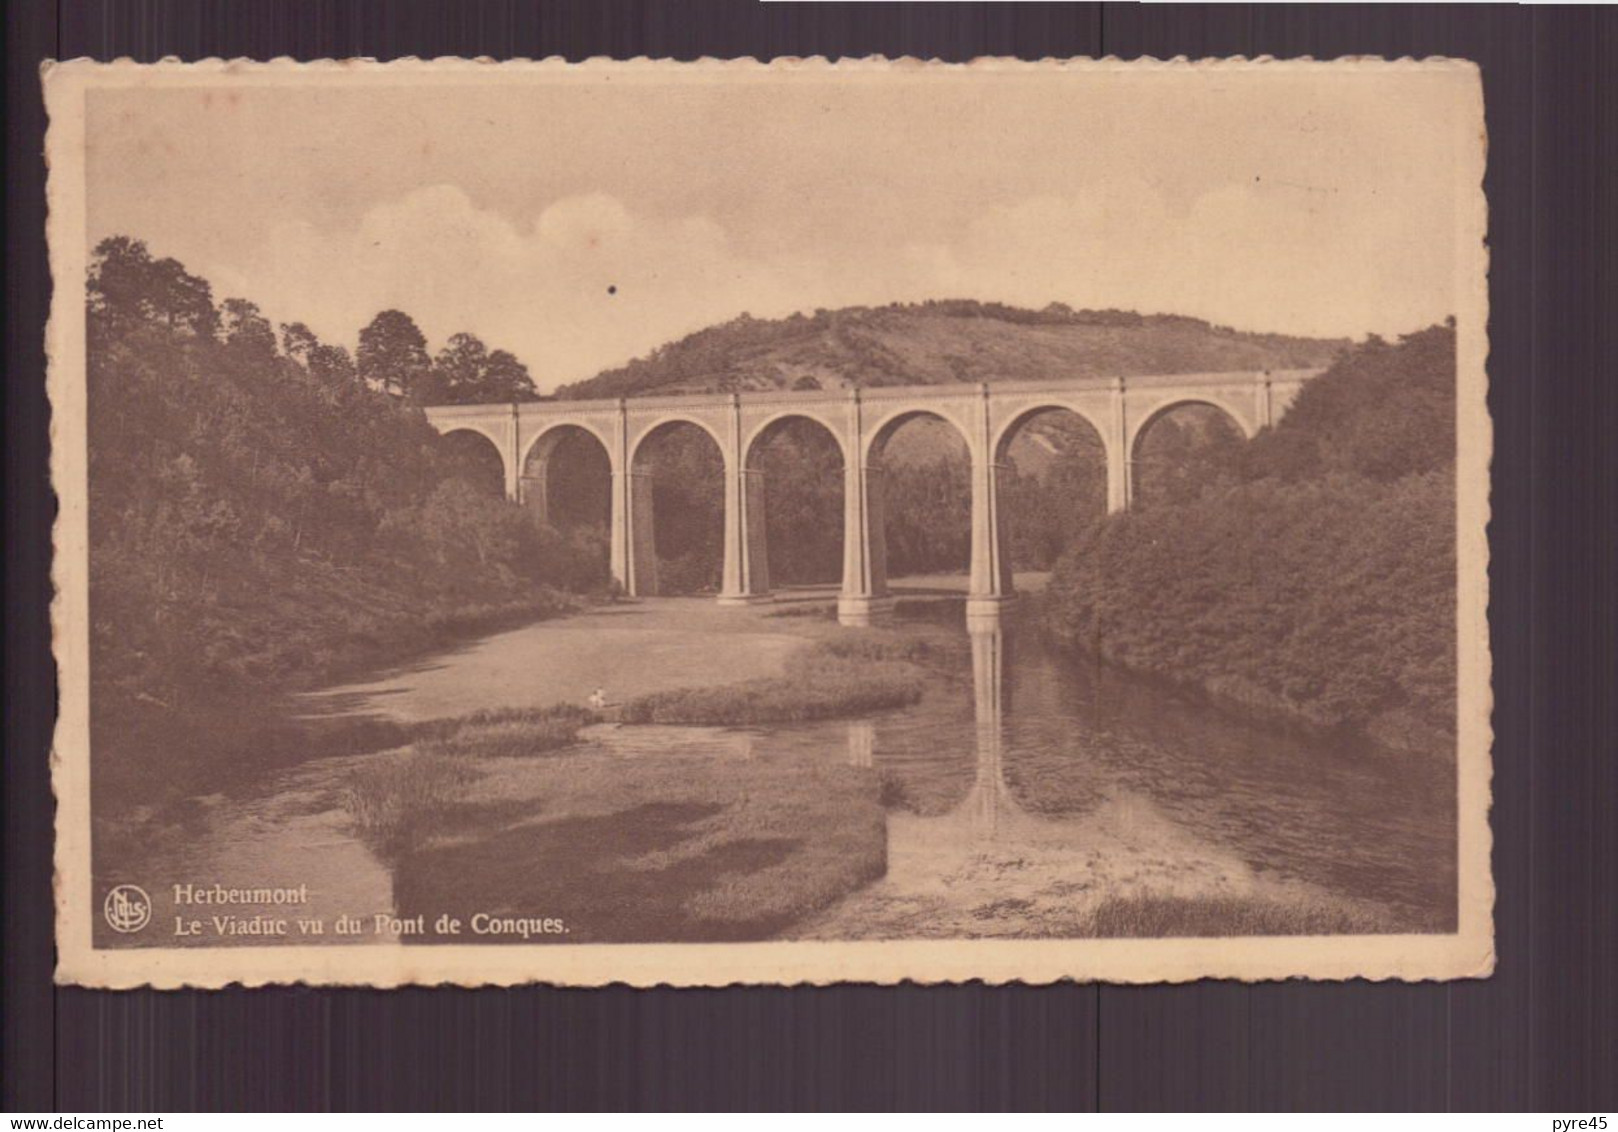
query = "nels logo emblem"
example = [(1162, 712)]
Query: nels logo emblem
[(127, 908)]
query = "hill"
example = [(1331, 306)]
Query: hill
[(936, 343)]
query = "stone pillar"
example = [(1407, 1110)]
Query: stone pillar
[(533, 493), (755, 536), (1263, 401), (874, 477), (533, 481), (622, 558), (511, 454), (745, 579), (990, 587), (864, 599), (642, 536), (1120, 462)]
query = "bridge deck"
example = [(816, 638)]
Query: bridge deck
[(761, 397)]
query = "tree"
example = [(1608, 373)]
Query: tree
[(506, 379), (458, 371), (1383, 411), (247, 329), (803, 477), (298, 341), (393, 354), (467, 372), (329, 366)]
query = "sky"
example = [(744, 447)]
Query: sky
[(581, 220)]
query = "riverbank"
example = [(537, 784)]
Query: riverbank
[(856, 673), (150, 752), (152, 759), (146, 749)]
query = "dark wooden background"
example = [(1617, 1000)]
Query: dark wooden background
[(1542, 1034)]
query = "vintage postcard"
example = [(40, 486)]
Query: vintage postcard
[(738, 522)]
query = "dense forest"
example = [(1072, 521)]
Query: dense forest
[(1309, 572), (945, 341), (266, 508)]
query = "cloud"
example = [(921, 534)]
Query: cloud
[(1293, 205), (1254, 256), (590, 283), (585, 224), (586, 285)]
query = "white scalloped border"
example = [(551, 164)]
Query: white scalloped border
[(1467, 954)]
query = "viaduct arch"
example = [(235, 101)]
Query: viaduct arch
[(986, 416), (752, 494), (472, 448), (534, 462)]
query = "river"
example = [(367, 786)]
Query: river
[(1025, 789)]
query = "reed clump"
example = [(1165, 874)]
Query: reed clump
[(401, 798), (836, 678)]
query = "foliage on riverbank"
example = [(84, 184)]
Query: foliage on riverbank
[(1311, 573), (839, 677), (262, 515)]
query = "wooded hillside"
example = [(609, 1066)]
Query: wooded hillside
[(261, 513), (1309, 572)]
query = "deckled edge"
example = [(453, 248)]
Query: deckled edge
[(77, 965), (843, 64)]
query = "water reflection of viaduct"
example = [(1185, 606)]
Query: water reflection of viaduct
[(988, 805), (861, 421)]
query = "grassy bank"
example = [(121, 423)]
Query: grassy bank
[(505, 813), (846, 675)]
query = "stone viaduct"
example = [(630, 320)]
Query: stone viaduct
[(861, 420)]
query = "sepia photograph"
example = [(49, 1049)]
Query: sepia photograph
[(734, 522)]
